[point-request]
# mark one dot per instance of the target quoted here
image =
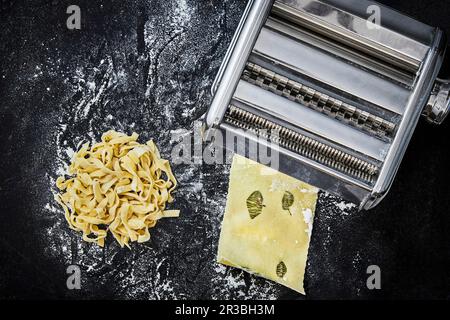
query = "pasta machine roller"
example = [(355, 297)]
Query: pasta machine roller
[(339, 92)]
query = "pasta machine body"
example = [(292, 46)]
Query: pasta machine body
[(342, 91)]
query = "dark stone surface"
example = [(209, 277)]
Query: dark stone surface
[(147, 66)]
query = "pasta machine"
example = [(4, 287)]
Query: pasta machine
[(342, 91)]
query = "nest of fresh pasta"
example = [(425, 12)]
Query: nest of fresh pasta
[(116, 185)]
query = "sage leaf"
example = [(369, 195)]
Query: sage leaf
[(287, 201), (281, 269), (255, 204)]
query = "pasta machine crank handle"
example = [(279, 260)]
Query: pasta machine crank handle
[(438, 105)]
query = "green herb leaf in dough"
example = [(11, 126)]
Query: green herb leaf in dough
[(281, 269), (287, 201), (255, 204)]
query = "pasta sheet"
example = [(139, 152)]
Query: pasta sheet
[(267, 224)]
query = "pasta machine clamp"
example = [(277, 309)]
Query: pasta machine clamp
[(438, 106)]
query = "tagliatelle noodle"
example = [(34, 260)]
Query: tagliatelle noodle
[(117, 185)]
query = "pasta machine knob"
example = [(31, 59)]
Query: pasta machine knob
[(438, 104)]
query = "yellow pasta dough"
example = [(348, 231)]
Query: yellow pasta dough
[(267, 223), (118, 185)]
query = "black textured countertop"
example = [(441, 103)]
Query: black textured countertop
[(147, 66)]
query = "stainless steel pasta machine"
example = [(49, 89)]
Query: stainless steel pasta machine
[(343, 92)]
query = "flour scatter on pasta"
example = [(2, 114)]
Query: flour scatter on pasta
[(118, 185)]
